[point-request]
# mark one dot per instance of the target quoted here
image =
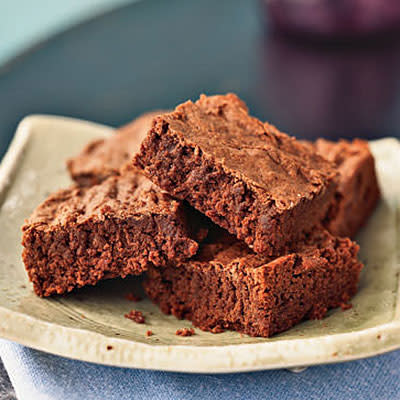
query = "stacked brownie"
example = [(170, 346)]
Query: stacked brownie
[(104, 157), (274, 253), (81, 235), (358, 192), (227, 286)]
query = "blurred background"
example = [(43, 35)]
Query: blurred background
[(312, 67)]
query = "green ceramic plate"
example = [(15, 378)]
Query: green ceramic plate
[(89, 324)]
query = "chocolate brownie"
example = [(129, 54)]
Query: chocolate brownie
[(356, 196), (258, 183), (79, 236), (358, 191), (104, 157), (227, 286)]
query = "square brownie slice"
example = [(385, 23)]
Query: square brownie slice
[(227, 286), (103, 157), (358, 191), (261, 185), (355, 198), (81, 235)]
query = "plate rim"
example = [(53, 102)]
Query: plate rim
[(91, 346)]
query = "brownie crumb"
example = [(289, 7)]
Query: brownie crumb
[(109, 347), (185, 332), (346, 306), (132, 297), (217, 329), (136, 316), (149, 333)]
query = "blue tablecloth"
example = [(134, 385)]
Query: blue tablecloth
[(36, 375)]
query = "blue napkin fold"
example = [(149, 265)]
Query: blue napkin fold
[(41, 376)]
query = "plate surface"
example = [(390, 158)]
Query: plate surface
[(89, 324)]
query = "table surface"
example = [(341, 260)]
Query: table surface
[(122, 63), (6, 390), (41, 18)]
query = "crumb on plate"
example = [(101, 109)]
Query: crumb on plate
[(136, 316), (185, 332)]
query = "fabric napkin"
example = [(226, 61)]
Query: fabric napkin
[(41, 376)]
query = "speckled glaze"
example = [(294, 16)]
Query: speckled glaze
[(89, 324)]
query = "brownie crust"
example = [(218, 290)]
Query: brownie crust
[(103, 158), (81, 235), (226, 286), (261, 185), (355, 199), (358, 191)]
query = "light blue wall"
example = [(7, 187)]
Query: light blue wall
[(25, 22)]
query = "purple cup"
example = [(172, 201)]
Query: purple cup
[(333, 19)]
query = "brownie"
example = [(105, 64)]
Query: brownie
[(356, 196), (104, 157), (81, 235), (227, 286), (261, 185), (358, 191)]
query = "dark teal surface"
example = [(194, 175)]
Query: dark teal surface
[(157, 53)]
